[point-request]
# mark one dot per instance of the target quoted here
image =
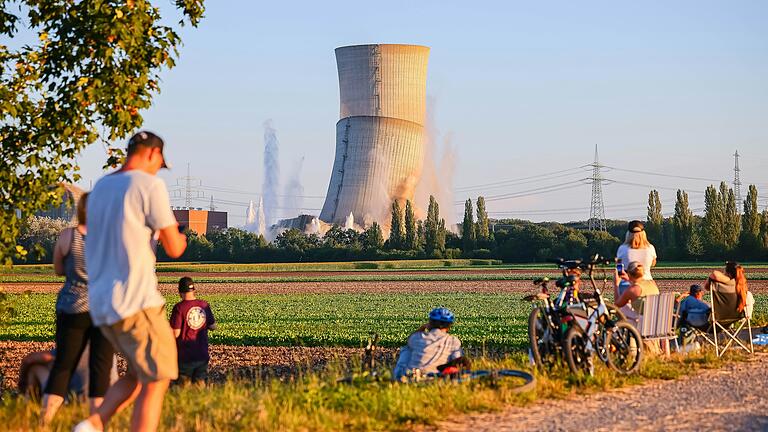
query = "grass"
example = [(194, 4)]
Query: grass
[(315, 402)]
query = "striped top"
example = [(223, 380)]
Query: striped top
[(73, 296)]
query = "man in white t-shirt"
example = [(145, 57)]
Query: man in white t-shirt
[(125, 210)]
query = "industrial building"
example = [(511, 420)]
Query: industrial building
[(380, 136), (199, 220)]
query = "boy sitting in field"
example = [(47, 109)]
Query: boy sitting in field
[(431, 349), (190, 320)]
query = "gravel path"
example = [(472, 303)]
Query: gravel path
[(734, 398)]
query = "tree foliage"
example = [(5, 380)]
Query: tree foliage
[(468, 228), (683, 222), (483, 232), (655, 220), (397, 227), (714, 222), (411, 236), (93, 67)]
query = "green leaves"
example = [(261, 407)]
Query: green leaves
[(95, 66)]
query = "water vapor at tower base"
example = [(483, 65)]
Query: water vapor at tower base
[(380, 137)]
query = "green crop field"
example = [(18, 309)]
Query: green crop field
[(493, 320), (321, 319)]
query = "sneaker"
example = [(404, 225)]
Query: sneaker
[(85, 426)]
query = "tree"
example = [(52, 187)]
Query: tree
[(397, 227), (372, 238), (39, 234), (93, 66), (764, 230), (483, 232), (683, 222), (434, 229), (468, 228), (732, 219), (749, 238), (655, 221), (713, 223), (411, 239)]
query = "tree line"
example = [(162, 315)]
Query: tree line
[(722, 232)]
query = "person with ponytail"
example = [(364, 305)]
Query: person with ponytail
[(733, 276)]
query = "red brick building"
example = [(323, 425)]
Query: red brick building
[(201, 221)]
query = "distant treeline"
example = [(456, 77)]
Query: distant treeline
[(723, 232)]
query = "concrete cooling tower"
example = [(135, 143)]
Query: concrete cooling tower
[(380, 137)]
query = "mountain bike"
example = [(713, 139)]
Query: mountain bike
[(596, 330), (550, 320)]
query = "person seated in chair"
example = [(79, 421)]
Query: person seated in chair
[(631, 299), (732, 280), (431, 349), (693, 310)]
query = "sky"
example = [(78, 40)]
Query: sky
[(516, 90)]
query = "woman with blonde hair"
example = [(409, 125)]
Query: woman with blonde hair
[(637, 248)]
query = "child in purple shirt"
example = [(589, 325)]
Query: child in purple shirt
[(190, 320)]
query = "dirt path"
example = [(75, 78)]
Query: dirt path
[(734, 398)]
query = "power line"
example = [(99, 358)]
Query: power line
[(610, 181), (529, 192), (521, 180), (651, 173)]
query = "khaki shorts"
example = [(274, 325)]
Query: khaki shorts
[(146, 340)]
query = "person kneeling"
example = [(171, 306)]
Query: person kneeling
[(431, 349)]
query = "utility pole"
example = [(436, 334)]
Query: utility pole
[(213, 207), (737, 180), (188, 186), (596, 220)]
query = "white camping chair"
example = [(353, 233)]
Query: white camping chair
[(658, 319)]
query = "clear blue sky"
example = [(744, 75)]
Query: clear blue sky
[(518, 89)]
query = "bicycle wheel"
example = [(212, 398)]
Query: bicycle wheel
[(543, 348), (576, 355), (528, 382), (624, 348)]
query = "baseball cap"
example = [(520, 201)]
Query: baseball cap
[(147, 139), (186, 284), (695, 289), (635, 226)]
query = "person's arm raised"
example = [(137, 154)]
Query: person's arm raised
[(174, 243)]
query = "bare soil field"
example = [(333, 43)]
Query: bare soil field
[(244, 362), (380, 287)]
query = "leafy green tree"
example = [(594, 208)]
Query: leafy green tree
[(483, 232), (434, 229), (420, 234), (397, 227), (39, 234), (468, 228), (732, 219), (199, 248), (93, 66), (372, 238), (695, 247), (683, 222), (764, 230), (749, 238), (655, 220), (713, 225), (411, 236)]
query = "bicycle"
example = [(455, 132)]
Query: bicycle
[(549, 322), (594, 330)]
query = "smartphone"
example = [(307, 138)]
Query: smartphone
[(619, 268)]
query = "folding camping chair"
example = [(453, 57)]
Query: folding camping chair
[(658, 319), (725, 319)]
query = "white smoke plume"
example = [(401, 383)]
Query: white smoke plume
[(438, 171), (271, 185), (293, 200), (250, 215)]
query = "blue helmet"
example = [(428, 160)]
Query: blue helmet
[(442, 314)]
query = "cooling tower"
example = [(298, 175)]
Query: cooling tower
[(380, 137)]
